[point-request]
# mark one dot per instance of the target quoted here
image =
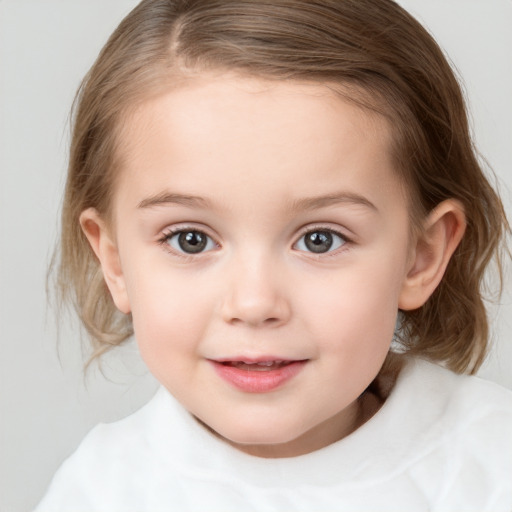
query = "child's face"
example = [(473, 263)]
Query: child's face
[(261, 222)]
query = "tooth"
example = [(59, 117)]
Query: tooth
[(264, 364)]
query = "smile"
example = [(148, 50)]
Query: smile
[(263, 366), (258, 376)]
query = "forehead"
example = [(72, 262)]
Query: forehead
[(255, 104), (234, 131)]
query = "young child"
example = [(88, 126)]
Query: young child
[(281, 201)]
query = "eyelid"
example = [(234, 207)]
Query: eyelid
[(178, 227), (337, 230)]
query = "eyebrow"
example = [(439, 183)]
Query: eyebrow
[(315, 203), (167, 198), (307, 203)]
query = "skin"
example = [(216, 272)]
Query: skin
[(255, 165)]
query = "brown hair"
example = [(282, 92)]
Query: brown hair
[(379, 55)]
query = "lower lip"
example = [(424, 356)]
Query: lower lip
[(258, 381)]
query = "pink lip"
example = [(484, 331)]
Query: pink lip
[(258, 380)]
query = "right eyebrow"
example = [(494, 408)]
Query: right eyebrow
[(168, 198)]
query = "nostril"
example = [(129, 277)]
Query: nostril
[(255, 321), (255, 305)]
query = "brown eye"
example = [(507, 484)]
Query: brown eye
[(320, 241), (190, 242)]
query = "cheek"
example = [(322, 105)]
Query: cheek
[(355, 311), (169, 313)]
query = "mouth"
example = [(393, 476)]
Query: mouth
[(258, 376), (261, 366)]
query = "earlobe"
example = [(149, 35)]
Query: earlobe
[(443, 230), (105, 249)]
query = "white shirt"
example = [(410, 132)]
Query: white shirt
[(440, 442)]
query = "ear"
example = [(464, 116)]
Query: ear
[(432, 250), (105, 249)]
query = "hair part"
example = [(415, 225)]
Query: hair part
[(373, 53)]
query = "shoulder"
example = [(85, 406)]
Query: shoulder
[(108, 469), (439, 388), (455, 403), (430, 405), (461, 431)]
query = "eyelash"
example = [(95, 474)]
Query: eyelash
[(172, 232)]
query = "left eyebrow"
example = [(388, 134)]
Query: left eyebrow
[(167, 198), (315, 203)]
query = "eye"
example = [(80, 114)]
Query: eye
[(189, 241), (320, 241)]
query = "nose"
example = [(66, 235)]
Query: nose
[(256, 295)]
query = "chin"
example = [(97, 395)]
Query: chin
[(255, 434), (259, 438)]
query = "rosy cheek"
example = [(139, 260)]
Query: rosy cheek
[(352, 307)]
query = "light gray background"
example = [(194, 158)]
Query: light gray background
[(46, 46)]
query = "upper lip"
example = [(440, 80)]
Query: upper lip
[(254, 360)]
